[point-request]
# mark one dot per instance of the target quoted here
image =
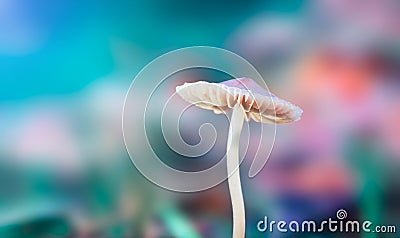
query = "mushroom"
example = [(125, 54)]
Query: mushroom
[(247, 100)]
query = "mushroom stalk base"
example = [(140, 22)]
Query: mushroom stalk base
[(235, 188)]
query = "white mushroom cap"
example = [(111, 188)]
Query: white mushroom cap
[(258, 103)]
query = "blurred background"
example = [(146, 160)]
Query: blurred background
[(65, 67)]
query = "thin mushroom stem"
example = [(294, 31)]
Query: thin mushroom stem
[(235, 188)]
